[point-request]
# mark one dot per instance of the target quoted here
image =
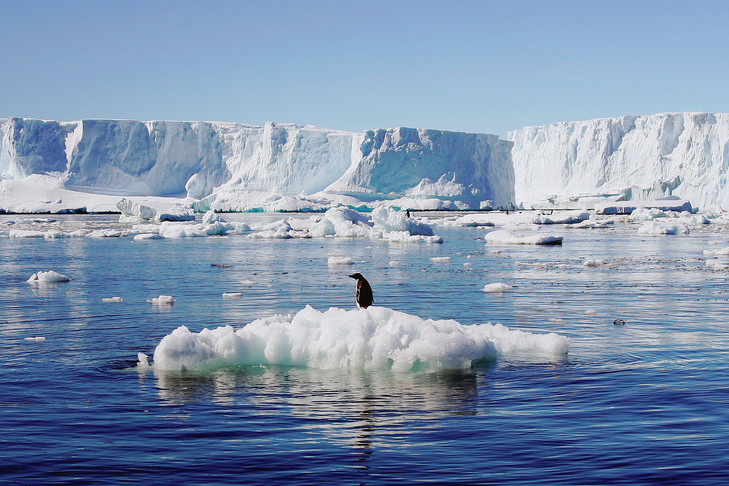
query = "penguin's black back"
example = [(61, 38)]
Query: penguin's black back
[(364, 295)]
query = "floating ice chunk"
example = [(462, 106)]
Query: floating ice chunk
[(211, 217), (592, 224), (658, 228), (594, 262), (442, 259), (405, 237), (387, 220), (393, 263), (162, 300), (717, 264), (171, 212), (719, 252), (26, 234), (474, 221), (48, 277), (180, 230), (506, 237), (590, 312), (112, 299), (106, 233), (337, 260), (247, 283), (232, 295), (36, 338), (374, 338), (562, 217), (322, 228), (497, 287), (142, 361), (646, 214), (148, 236)]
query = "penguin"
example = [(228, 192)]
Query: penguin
[(363, 296)]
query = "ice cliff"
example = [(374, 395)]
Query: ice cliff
[(630, 157), (233, 166)]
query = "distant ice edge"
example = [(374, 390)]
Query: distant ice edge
[(237, 167), (89, 165), (581, 164), (376, 338)]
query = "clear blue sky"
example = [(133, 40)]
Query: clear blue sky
[(478, 66)]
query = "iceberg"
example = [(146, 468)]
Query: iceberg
[(625, 158), (238, 167)]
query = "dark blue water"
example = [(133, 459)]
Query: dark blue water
[(640, 403)]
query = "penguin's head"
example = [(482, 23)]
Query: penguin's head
[(357, 276)]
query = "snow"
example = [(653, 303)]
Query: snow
[(232, 295), (375, 338), (112, 299), (50, 276)]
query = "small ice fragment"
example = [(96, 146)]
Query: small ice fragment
[(111, 299), (394, 263), (440, 259), (335, 260), (592, 263), (47, 277), (36, 338), (248, 283), (162, 300), (143, 362), (148, 236), (230, 295), (497, 287), (590, 312)]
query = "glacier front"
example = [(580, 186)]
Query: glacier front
[(683, 155), (238, 167)]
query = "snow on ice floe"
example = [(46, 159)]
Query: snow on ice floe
[(133, 211), (375, 338), (662, 228), (338, 260), (162, 300), (594, 263), (506, 237), (112, 299), (36, 338), (562, 217), (232, 295), (497, 287), (50, 276)]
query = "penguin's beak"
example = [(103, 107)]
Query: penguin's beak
[(352, 276)]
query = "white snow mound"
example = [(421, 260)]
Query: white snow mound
[(48, 277), (376, 338)]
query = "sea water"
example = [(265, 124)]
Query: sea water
[(644, 401)]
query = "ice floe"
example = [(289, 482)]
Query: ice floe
[(162, 300), (50, 276), (506, 237), (376, 338), (497, 287)]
